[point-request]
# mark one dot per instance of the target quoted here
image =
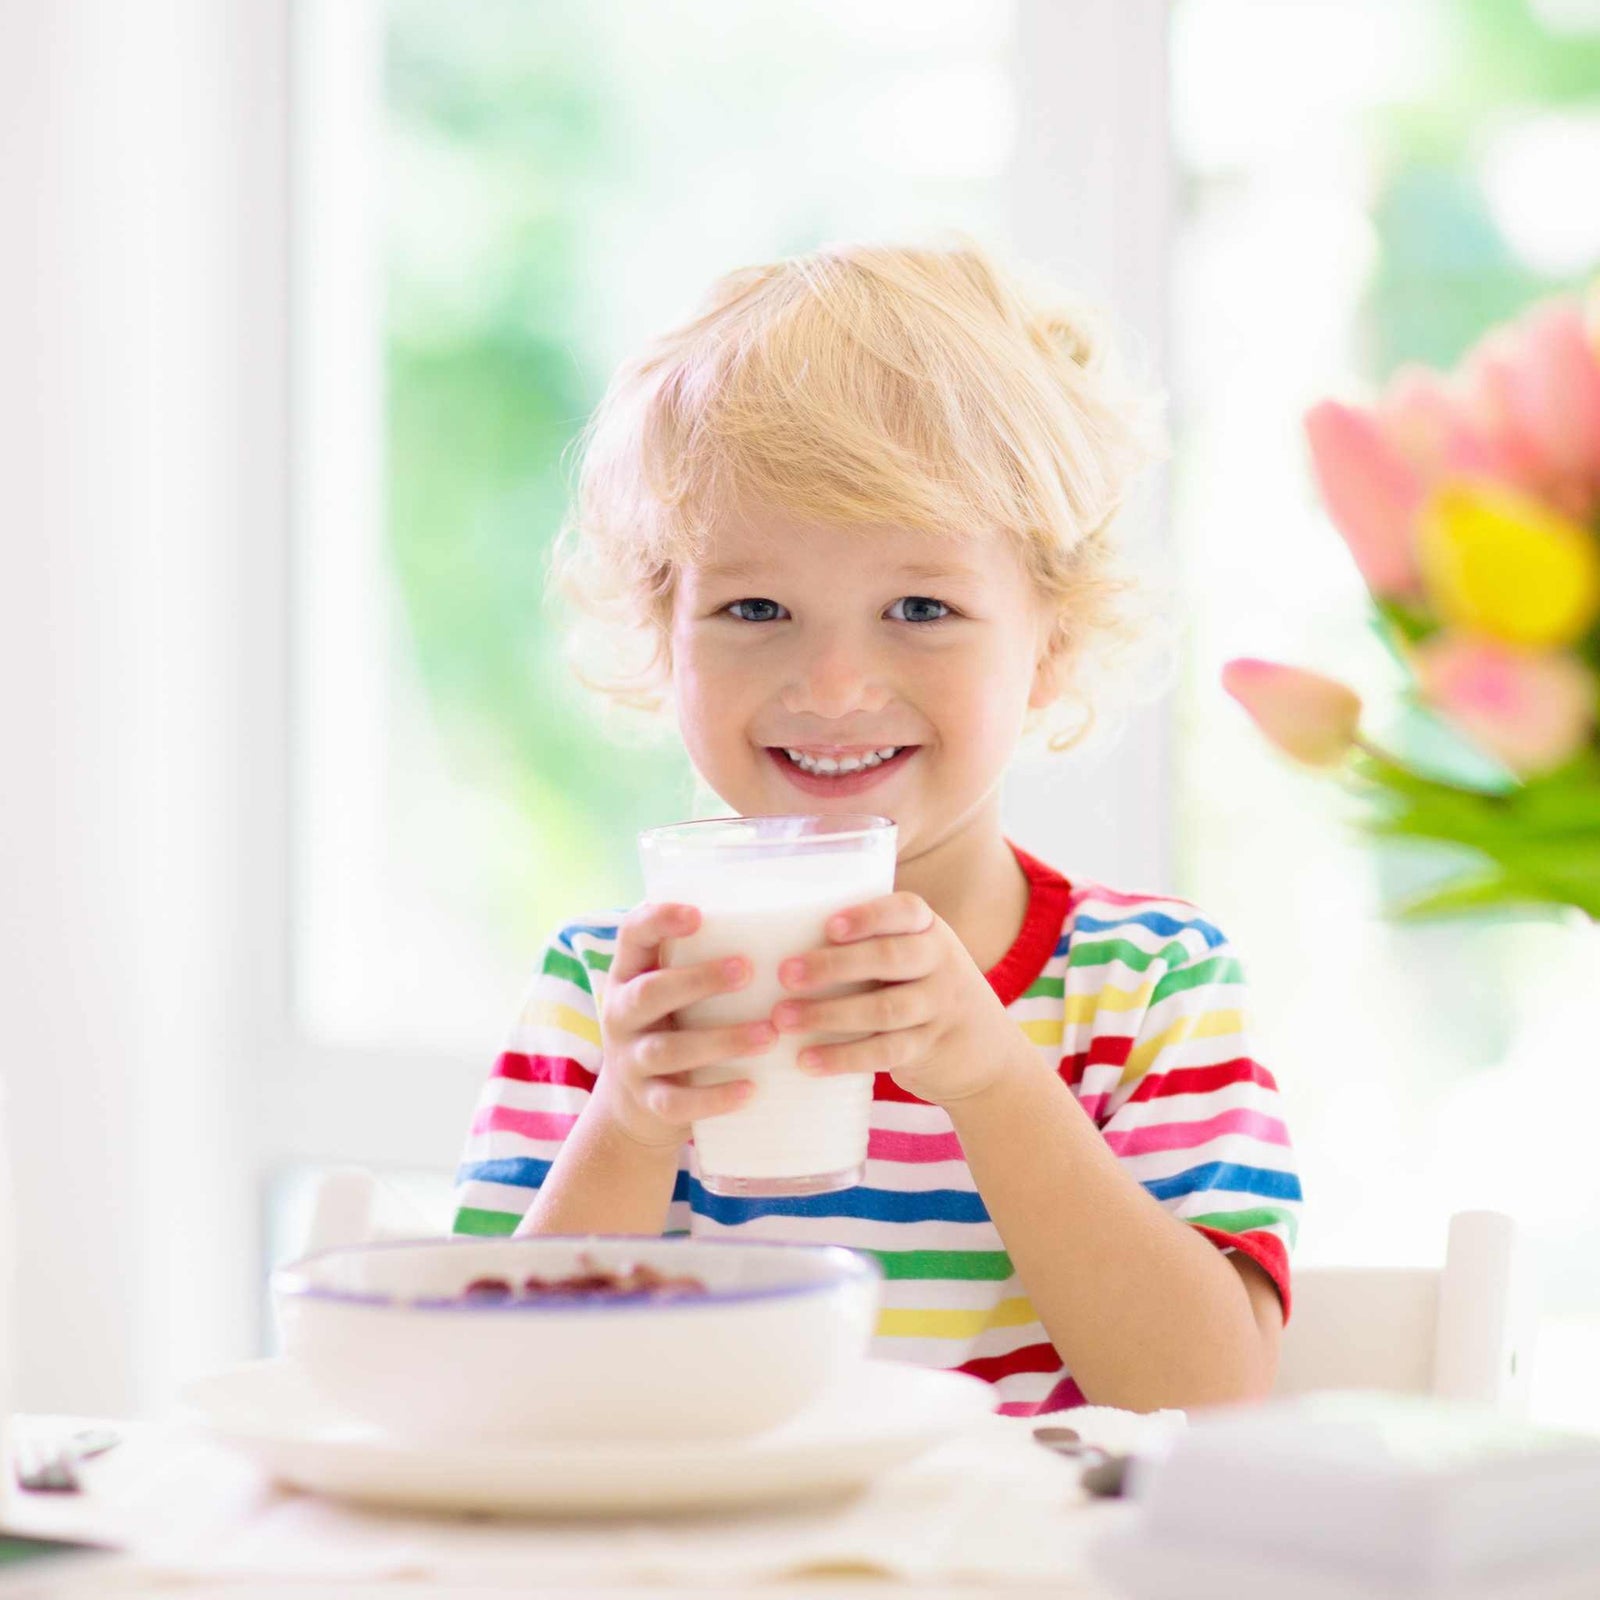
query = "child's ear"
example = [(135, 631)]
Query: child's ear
[(1049, 670)]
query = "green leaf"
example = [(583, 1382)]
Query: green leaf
[(1464, 895), (1399, 622)]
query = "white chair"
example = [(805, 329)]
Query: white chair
[(1462, 1332), (350, 1205)]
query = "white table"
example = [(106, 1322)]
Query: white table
[(100, 1513)]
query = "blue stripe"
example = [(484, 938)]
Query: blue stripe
[(521, 1172), (593, 930), (1227, 1175), (1157, 922), (876, 1205)]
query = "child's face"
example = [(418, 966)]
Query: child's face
[(840, 643)]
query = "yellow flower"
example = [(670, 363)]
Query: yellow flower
[(1499, 563)]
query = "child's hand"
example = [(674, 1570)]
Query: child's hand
[(648, 1057), (935, 1025)]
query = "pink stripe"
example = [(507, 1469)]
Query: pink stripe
[(530, 1124), (1115, 897), (1094, 1104), (1191, 1135), (884, 1144), (1063, 1397)]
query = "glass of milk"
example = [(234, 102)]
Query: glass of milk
[(765, 888)]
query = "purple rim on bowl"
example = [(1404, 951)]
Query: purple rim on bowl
[(846, 1265)]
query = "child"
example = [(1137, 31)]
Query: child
[(856, 511)]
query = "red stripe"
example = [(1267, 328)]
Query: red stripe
[(1105, 1050), (1029, 1358), (1192, 1135), (554, 1125), (886, 1144), (543, 1069), (1265, 1249), (1202, 1080), (885, 1088), (1183, 1080), (1063, 1397)]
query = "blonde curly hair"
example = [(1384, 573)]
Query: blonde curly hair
[(859, 385)]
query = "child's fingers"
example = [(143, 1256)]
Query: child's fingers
[(664, 1054), (646, 1000), (893, 1007), (682, 1103), (894, 959), (882, 1052), (891, 913), (642, 933)]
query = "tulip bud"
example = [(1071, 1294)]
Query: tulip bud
[(1531, 710), (1307, 716), (1499, 563)]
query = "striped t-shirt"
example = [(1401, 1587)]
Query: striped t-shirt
[(1134, 1000)]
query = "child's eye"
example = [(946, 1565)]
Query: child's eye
[(754, 610), (919, 608)]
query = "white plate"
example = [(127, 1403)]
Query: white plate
[(882, 1414)]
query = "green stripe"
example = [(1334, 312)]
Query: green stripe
[(1047, 989), (597, 960), (989, 1266), (488, 1224), (1097, 952), (558, 964), (1255, 1217), (1219, 969)]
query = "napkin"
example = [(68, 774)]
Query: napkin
[(989, 1505)]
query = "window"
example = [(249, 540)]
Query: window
[(556, 183), (1386, 206)]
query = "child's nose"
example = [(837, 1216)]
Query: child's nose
[(836, 682)]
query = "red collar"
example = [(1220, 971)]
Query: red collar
[(1048, 893)]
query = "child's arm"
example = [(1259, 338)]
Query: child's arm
[(1141, 1305), (1145, 1311), (615, 1169)]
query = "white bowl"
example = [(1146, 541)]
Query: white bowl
[(378, 1332)]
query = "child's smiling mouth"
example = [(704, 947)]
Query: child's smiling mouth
[(847, 771)]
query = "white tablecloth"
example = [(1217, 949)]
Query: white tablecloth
[(990, 1509)]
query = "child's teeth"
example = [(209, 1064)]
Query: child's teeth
[(831, 766)]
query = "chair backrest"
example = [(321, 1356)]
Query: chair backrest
[(1463, 1331), (350, 1205)]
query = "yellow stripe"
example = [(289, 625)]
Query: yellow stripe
[(1082, 1007), (1202, 1025), (1016, 1313), (1043, 1030), (548, 1014)]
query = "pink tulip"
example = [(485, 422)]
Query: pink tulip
[(1555, 395), (1489, 380), (1371, 490), (1533, 390), (1531, 710), (1305, 715), (1427, 419)]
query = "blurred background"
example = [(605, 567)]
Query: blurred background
[(307, 300)]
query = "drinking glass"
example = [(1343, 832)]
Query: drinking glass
[(765, 888)]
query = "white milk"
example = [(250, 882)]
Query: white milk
[(796, 1127)]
